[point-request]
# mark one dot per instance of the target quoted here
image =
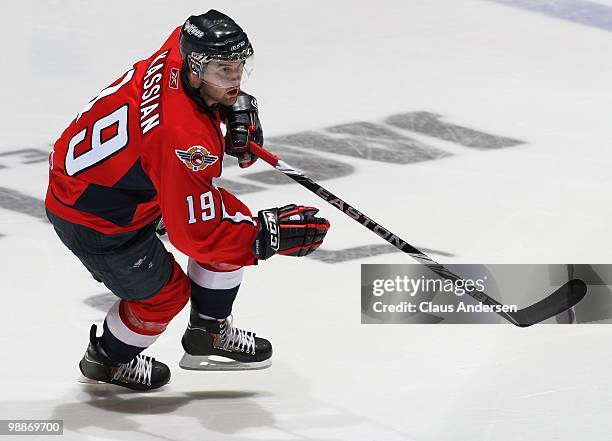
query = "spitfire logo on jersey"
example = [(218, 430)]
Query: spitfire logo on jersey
[(196, 158)]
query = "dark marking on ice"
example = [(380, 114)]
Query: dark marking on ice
[(21, 203), (101, 302), (370, 141), (364, 140), (362, 252), (314, 166), (29, 155), (430, 124)]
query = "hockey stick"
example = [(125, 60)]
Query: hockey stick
[(562, 299)]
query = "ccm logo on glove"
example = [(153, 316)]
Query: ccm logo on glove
[(272, 226), (292, 230)]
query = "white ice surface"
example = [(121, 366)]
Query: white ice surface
[(482, 65)]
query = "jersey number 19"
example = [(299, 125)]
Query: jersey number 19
[(100, 149)]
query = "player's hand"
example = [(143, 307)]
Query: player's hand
[(243, 125), (292, 230)]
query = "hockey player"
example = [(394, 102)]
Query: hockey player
[(148, 146)]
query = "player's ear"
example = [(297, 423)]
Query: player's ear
[(194, 80)]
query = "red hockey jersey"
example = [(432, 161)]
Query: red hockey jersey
[(142, 148)]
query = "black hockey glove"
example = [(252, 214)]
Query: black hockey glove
[(243, 125), (292, 230)]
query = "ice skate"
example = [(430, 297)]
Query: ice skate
[(216, 345), (142, 373)]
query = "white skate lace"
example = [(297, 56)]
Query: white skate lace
[(235, 339), (138, 370)]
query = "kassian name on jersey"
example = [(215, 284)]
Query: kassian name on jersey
[(149, 104)]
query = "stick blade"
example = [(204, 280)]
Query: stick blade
[(561, 300)]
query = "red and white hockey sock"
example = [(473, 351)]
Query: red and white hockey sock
[(214, 288), (132, 326)]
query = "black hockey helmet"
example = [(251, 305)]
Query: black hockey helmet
[(214, 36)]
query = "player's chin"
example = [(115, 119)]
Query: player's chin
[(229, 101)]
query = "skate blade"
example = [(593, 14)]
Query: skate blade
[(216, 363), (104, 387), (84, 380)]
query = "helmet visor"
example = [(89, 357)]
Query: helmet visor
[(227, 74)]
